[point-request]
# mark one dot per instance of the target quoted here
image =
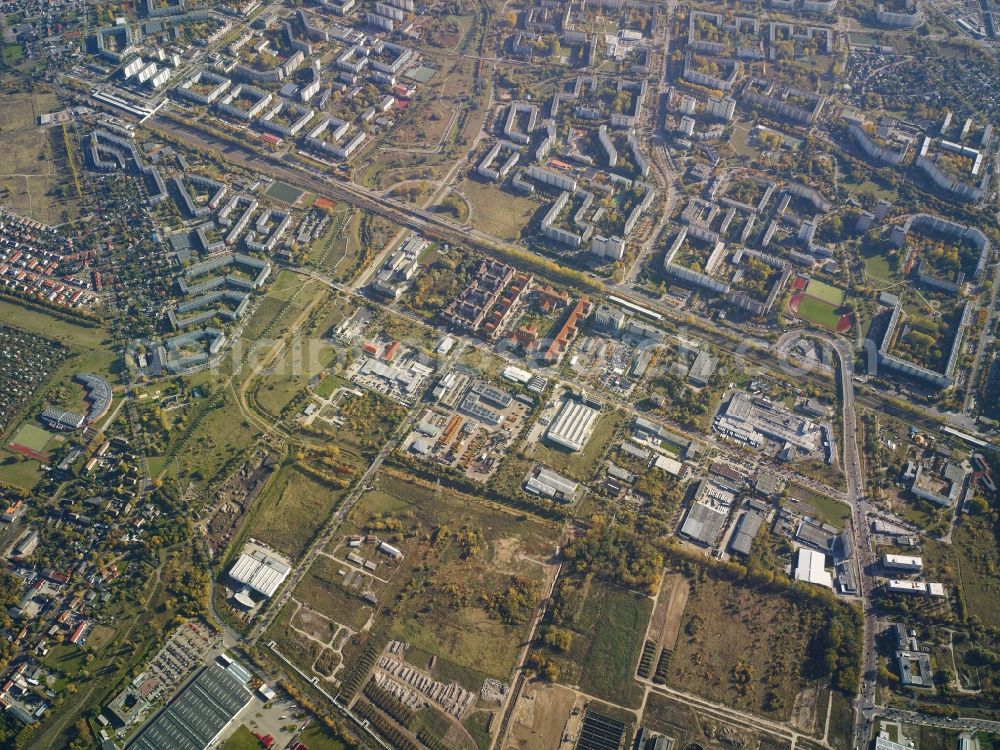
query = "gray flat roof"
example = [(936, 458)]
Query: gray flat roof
[(197, 714)]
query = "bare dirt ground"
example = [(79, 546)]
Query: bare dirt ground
[(670, 610), (315, 624), (540, 717)]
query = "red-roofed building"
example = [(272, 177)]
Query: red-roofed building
[(78, 633)]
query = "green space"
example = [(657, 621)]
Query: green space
[(468, 583), (91, 344), (318, 737), (608, 650), (971, 562), (746, 646), (819, 312), (499, 213), (19, 471), (242, 739), (823, 508), (282, 191), (12, 54), (305, 357), (825, 292), (879, 265)]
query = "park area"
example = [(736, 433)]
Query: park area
[(819, 303)]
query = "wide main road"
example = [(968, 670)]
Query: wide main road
[(437, 227)]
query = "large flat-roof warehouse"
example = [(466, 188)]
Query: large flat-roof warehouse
[(199, 713), (573, 424), (259, 571), (703, 523)]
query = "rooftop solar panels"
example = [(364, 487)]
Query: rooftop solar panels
[(197, 714)]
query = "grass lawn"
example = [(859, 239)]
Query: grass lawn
[(825, 292), (19, 471), (293, 507), (579, 465), (819, 312), (879, 267), (495, 212), (824, 508), (318, 737), (242, 739)]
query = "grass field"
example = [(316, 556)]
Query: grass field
[(816, 311), (822, 508), (33, 437), (292, 508), (615, 644), (242, 739), (499, 213), (731, 631), (825, 292), (879, 267)]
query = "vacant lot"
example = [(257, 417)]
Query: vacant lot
[(495, 212), (971, 562), (666, 621), (540, 716), (291, 510), (819, 507), (35, 176), (466, 588), (608, 623), (742, 647)]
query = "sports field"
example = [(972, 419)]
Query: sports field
[(815, 311), (32, 437), (284, 192), (829, 294)]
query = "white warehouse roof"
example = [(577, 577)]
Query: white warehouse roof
[(810, 566), (905, 562), (261, 572), (572, 426)]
